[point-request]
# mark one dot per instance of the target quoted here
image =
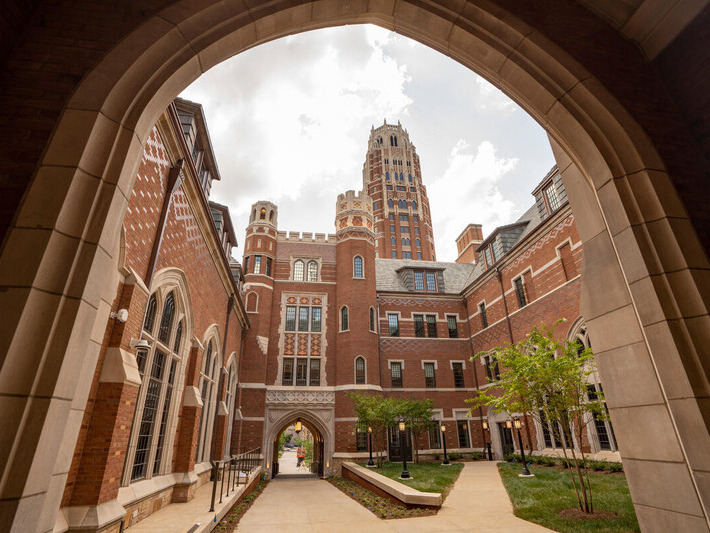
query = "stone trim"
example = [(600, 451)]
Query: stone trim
[(120, 366)]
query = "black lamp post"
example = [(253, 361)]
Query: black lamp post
[(443, 438), (526, 472), (403, 448), (370, 463), (486, 428)]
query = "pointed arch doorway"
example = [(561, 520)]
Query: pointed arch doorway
[(303, 437)]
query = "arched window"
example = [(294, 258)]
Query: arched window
[(419, 243), (360, 371), (230, 402), (208, 391), (298, 270), (271, 216), (414, 204), (357, 267), (409, 176), (387, 175), (394, 241), (166, 322), (372, 319), (390, 203), (262, 214), (158, 368), (344, 325), (149, 320), (312, 271)]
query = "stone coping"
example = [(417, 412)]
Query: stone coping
[(400, 491)]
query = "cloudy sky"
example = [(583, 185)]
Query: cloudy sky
[(289, 122)]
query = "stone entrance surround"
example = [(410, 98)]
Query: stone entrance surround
[(589, 76)]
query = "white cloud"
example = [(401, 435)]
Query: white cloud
[(492, 99), (468, 193)]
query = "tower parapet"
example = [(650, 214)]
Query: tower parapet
[(354, 216)]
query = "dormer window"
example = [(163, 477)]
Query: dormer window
[(553, 201), (425, 280)]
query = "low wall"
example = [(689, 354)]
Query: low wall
[(389, 488)]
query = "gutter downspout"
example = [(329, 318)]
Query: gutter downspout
[(499, 275)]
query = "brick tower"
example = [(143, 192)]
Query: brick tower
[(392, 177), (259, 269), (356, 289)]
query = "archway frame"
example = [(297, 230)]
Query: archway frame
[(639, 242)]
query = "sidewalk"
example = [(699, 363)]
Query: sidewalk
[(193, 516), (478, 502)]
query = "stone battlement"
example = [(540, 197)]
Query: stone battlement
[(306, 236), (353, 200)]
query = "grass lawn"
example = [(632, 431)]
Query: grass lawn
[(427, 477), (541, 498)]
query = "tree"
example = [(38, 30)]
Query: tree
[(547, 378), (285, 438), (419, 417), (377, 412)]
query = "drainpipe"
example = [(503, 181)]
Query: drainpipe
[(499, 275), (176, 176), (220, 386), (475, 374)]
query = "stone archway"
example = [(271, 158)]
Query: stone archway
[(640, 244), (314, 408)]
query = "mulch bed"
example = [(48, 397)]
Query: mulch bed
[(381, 507), (231, 519), (577, 514)]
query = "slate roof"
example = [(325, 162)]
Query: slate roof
[(388, 279)]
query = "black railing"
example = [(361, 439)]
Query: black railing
[(233, 470)]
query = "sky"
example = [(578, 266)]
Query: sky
[(289, 122)]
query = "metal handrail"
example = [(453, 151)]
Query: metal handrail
[(243, 463)]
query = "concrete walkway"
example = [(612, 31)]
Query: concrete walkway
[(478, 502), (288, 462)]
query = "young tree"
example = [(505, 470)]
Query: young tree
[(547, 378), (377, 412), (419, 417)]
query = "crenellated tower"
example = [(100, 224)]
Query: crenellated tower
[(392, 177), (356, 288)]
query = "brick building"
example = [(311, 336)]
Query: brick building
[(334, 314), (161, 397)]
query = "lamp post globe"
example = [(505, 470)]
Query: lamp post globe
[(403, 448)]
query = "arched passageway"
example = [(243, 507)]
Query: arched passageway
[(301, 452), (634, 170)]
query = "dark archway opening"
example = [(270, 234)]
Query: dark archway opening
[(298, 451)]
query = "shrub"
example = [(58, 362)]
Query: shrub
[(612, 466), (455, 456), (597, 466), (547, 461), (437, 456), (512, 458), (476, 456)]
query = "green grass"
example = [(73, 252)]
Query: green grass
[(541, 498), (427, 477)]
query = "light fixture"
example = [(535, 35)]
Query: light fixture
[(139, 343), (517, 423), (298, 426), (402, 426), (509, 424), (485, 425), (121, 315), (443, 428), (369, 429)]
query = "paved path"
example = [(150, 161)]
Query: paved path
[(478, 502), (288, 462)]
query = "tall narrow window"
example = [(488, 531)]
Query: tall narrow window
[(361, 437), (178, 339), (372, 319), (393, 241), (257, 264), (344, 326), (546, 435), (453, 327), (314, 373), (298, 270), (301, 372), (520, 292), (357, 267), (166, 322), (269, 262), (430, 281), (435, 436), (312, 271), (208, 386), (287, 373), (145, 434), (464, 441), (551, 196), (360, 371), (246, 264), (431, 326), (492, 369), (396, 372), (393, 323), (150, 314), (303, 318), (429, 376), (164, 418), (605, 433), (418, 325), (484, 316), (316, 319), (290, 318), (458, 375)]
